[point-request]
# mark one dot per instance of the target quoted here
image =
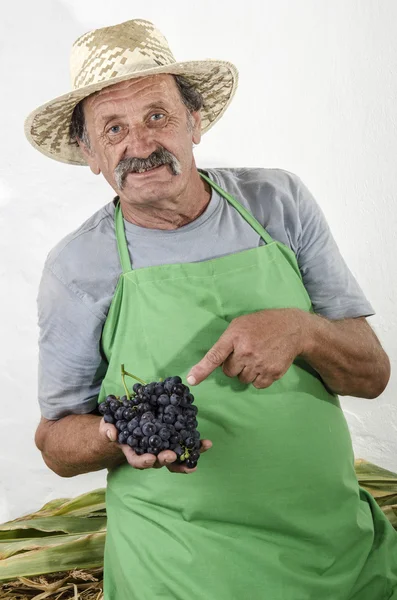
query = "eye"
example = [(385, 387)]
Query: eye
[(114, 129), (157, 117)]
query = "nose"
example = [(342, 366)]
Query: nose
[(139, 142)]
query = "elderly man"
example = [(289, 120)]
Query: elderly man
[(231, 279)]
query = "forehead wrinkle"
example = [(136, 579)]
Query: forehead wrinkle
[(143, 86)]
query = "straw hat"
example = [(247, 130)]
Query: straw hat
[(106, 56)]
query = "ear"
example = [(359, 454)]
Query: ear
[(89, 157), (196, 130)]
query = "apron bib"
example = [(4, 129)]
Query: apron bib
[(274, 510)]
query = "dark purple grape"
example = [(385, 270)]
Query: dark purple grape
[(133, 424), (164, 433), (165, 445), (149, 388), (191, 464), (189, 442), (128, 414), (139, 451), (132, 441), (168, 385), (184, 433), (196, 434), (121, 425), (178, 389), (169, 419), (155, 441), (159, 389), (137, 432), (108, 418), (136, 387), (170, 410), (181, 418), (114, 405), (154, 451), (175, 400), (195, 455), (163, 400), (178, 450), (104, 408), (179, 426), (148, 428), (191, 411), (197, 445), (123, 436), (191, 424), (144, 442), (174, 439), (147, 416), (176, 379), (189, 398), (118, 415)]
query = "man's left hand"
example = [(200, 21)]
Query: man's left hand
[(257, 348)]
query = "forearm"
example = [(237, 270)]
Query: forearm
[(347, 355), (73, 445)]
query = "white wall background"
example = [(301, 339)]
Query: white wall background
[(317, 96)]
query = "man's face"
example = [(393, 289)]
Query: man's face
[(133, 119)]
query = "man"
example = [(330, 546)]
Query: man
[(229, 278)]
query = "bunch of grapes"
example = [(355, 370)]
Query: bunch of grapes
[(157, 416)]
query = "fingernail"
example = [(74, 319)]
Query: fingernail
[(109, 435), (148, 462), (191, 380)]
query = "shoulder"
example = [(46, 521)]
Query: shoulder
[(85, 235), (86, 256), (256, 181), (273, 196)]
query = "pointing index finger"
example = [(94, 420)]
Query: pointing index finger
[(212, 360)]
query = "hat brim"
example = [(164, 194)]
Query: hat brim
[(47, 127)]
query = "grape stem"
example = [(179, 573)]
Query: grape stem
[(123, 374)]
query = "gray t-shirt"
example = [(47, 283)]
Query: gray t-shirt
[(81, 273)]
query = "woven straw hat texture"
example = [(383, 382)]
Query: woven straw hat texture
[(106, 56)]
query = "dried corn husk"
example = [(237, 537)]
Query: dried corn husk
[(64, 535)]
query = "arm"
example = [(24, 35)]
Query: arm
[(83, 443), (347, 354), (74, 445), (70, 373), (259, 348)]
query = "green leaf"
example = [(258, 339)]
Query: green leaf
[(84, 553), (30, 527)]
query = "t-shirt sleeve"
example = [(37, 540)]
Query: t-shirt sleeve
[(333, 290), (71, 367)]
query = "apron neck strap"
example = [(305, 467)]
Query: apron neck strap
[(121, 239), (120, 232), (243, 211)]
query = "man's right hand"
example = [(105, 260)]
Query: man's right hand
[(166, 458)]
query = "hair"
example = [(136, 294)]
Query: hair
[(191, 98)]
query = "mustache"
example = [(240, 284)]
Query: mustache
[(159, 157)]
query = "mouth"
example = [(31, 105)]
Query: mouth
[(151, 170)]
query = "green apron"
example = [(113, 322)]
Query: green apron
[(274, 510)]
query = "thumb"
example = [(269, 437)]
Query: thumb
[(108, 430), (213, 359)]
